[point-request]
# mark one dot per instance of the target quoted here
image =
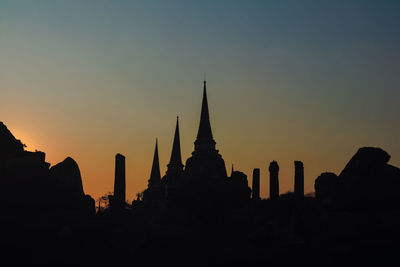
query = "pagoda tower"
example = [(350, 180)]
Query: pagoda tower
[(205, 163), (174, 172), (153, 195), (155, 175), (175, 165)]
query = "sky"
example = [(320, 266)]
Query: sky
[(287, 80)]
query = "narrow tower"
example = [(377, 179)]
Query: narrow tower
[(119, 182), (273, 180), (298, 179), (256, 184)]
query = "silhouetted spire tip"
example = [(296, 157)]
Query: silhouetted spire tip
[(176, 159), (204, 134), (155, 170)]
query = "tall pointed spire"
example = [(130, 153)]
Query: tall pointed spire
[(155, 176), (204, 140), (176, 159), (205, 163)]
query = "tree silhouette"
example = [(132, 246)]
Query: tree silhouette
[(103, 202)]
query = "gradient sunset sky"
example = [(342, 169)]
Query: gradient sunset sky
[(287, 80)]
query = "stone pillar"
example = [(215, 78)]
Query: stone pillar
[(119, 183), (298, 179), (256, 184), (273, 180)]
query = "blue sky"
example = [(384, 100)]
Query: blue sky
[(288, 80)]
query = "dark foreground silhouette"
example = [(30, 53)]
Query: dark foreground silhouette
[(46, 219), (197, 215)]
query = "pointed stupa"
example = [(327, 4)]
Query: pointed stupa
[(155, 176), (176, 158), (232, 170), (205, 163), (204, 140)]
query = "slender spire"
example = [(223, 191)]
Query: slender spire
[(176, 159), (204, 135), (232, 170), (155, 175)]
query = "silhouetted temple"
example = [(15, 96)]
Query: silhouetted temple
[(205, 163), (204, 173), (174, 174), (153, 194), (155, 175)]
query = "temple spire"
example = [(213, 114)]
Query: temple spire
[(176, 159), (204, 138), (155, 176)]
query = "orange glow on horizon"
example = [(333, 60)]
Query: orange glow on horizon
[(24, 137)]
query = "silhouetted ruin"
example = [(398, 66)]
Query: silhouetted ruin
[(256, 184), (298, 179), (366, 182), (273, 180), (174, 175), (153, 195), (205, 163), (26, 175), (204, 173), (9, 144), (368, 176), (118, 200), (325, 186), (196, 213), (68, 187), (239, 186)]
